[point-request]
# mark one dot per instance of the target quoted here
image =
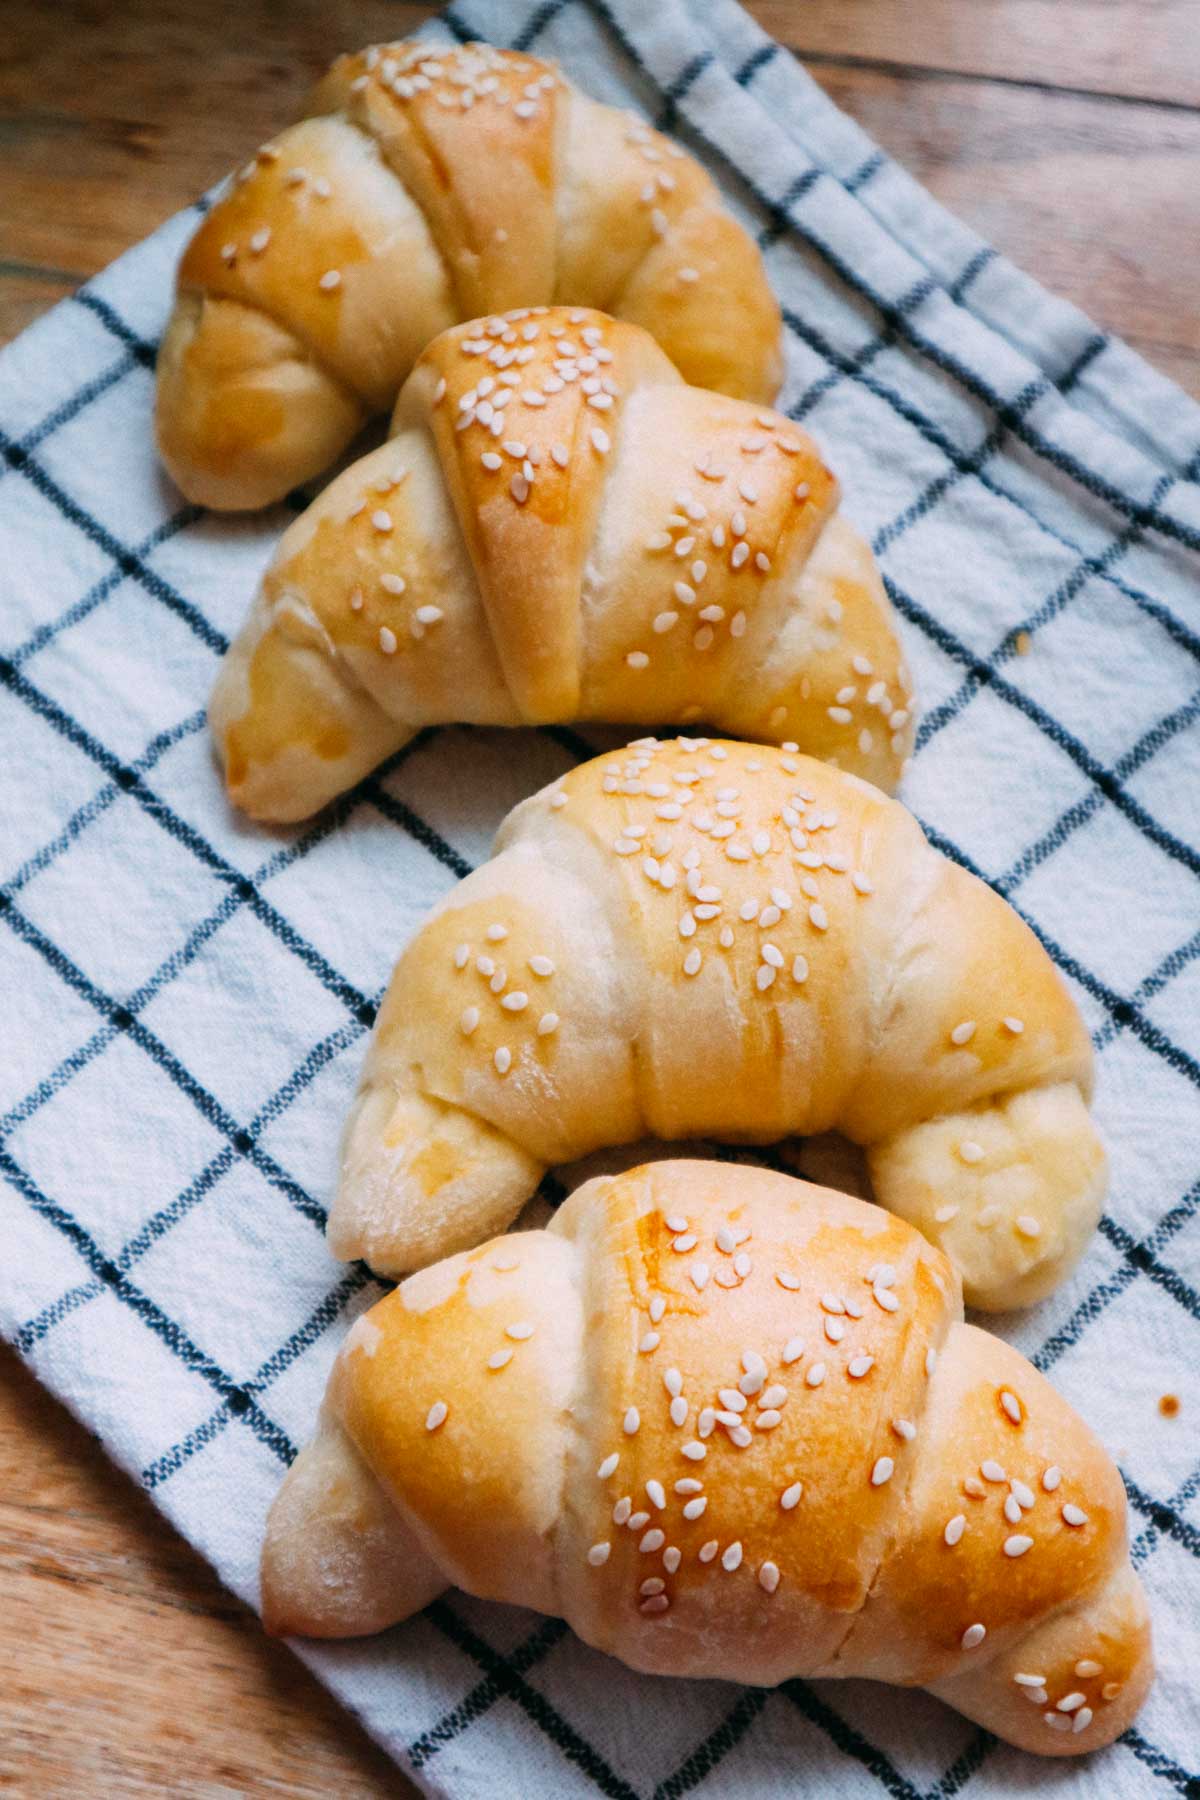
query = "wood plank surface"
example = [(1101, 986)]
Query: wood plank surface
[(1066, 131)]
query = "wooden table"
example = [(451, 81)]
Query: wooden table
[(1068, 133)]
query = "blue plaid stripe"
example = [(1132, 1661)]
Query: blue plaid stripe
[(240, 1395)]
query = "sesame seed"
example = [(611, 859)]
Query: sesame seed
[(678, 1410), (970, 1151), (885, 1298), (503, 1060), (904, 1428), (691, 966), (469, 1020), (732, 1557), (650, 1341), (882, 1471), (1011, 1405), (1057, 1721), (708, 1551), (428, 615), (599, 1554), (260, 240), (1016, 1026), (962, 1034), (786, 1279), (944, 1214), (973, 1636), (818, 916), (622, 1510), (331, 279), (991, 1470), (835, 1330), (768, 1419), (1051, 1478), (815, 1374), (954, 1529), (1012, 1509), (1074, 1515), (515, 1002), (1017, 1545), (1030, 1681), (858, 1366), (387, 640), (653, 1585), (653, 1540), (791, 1495), (608, 1466), (436, 1415), (1083, 1719), (637, 659), (700, 1273), (695, 1508), (695, 1452), (500, 1359), (768, 1577), (1071, 1702), (793, 1350)]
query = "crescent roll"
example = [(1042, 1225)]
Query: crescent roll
[(727, 1425), (560, 530), (424, 187), (690, 939)]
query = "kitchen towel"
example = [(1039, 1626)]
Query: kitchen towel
[(187, 995)]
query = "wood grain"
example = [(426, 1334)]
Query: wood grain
[(125, 1667), (1066, 131), (1143, 49)]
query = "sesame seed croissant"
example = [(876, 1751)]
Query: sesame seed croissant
[(559, 530), (427, 186), (691, 939), (804, 1463)]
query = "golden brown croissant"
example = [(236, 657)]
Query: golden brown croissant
[(700, 939), (428, 186), (561, 530), (731, 1425)]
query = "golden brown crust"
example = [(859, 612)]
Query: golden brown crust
[(741, 943), (731, 1425), (368, 227), (561, 530)]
